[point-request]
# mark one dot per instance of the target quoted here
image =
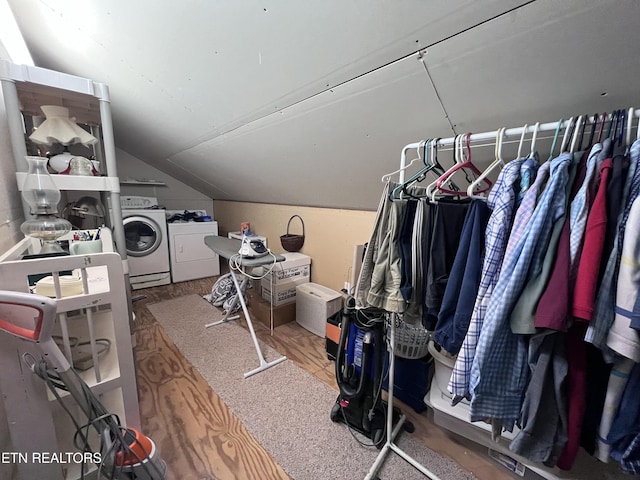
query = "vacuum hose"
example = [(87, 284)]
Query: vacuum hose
[(346, 390)]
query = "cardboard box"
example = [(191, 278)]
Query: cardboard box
[(283, 292), (295, 266), (260, 311)]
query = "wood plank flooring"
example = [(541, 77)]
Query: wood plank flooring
[(201, 439)]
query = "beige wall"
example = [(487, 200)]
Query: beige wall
[(330, 234)]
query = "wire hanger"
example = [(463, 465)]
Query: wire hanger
[(498, 162)]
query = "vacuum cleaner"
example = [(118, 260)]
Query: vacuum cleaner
[(359, 373)]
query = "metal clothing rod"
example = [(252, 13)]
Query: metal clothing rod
[(484, 136)]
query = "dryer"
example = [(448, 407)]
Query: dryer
[(145, 231)]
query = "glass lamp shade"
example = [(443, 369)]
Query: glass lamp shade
[(59, 128), (39, 189), (42, 195)]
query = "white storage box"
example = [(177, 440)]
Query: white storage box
[(295, 266), (314, 305), (283, 292)]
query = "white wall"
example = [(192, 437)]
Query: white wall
[(174, 195)]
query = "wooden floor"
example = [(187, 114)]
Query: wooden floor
[(200, 438)]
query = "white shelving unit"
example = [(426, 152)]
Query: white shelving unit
[(25, 88), (36, 421), (98, 312)]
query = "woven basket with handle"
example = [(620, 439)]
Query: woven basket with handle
[(291, 242)]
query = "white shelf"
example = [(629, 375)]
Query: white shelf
[(78, 182), (116, 389), (138, 182), (108, 364)]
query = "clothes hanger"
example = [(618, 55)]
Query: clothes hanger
[(574, 139), (524, 131), (465, 164), (594, 127), (498, 162), (566, 136), (387, 176), (622, 122), (629, 126), (417, 177), (613, 123), (582, 130), (432, 186), (555, 138), (533, 140), (604, 120)]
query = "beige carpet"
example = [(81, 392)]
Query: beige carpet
[(285, 408)]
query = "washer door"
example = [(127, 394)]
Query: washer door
[(142, 235)]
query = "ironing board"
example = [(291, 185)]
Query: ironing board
[(228, 248)]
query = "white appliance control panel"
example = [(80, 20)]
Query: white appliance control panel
[(137, 203)]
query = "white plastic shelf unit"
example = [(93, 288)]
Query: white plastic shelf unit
[(37, 422), (25, 88)]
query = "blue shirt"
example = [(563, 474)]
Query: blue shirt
[(499, 371)]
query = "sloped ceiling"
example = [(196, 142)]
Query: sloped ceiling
[(310, 103)]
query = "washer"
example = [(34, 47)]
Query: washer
[(145, 231)]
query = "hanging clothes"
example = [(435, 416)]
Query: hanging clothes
[(501, 201), (462, 286), (448, 219), (523, 313), (587, 279), (499, 371), (605, 301)]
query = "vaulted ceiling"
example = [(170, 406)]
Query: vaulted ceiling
[(310, 103)]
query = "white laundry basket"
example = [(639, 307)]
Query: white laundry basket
[(314, 305)]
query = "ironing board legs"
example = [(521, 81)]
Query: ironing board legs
[(240, 298)]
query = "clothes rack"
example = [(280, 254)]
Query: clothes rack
[(391, 430)]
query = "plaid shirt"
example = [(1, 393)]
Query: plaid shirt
[(499, 372), (604, 313), (501, 200), (580, 205)]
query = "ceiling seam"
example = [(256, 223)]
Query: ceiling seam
[(392, 62)]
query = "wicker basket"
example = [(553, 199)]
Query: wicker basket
[(411, 341), (291, 242)]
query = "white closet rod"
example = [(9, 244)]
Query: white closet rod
[(484, 136)]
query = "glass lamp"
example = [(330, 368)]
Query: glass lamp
[(41, 194)]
